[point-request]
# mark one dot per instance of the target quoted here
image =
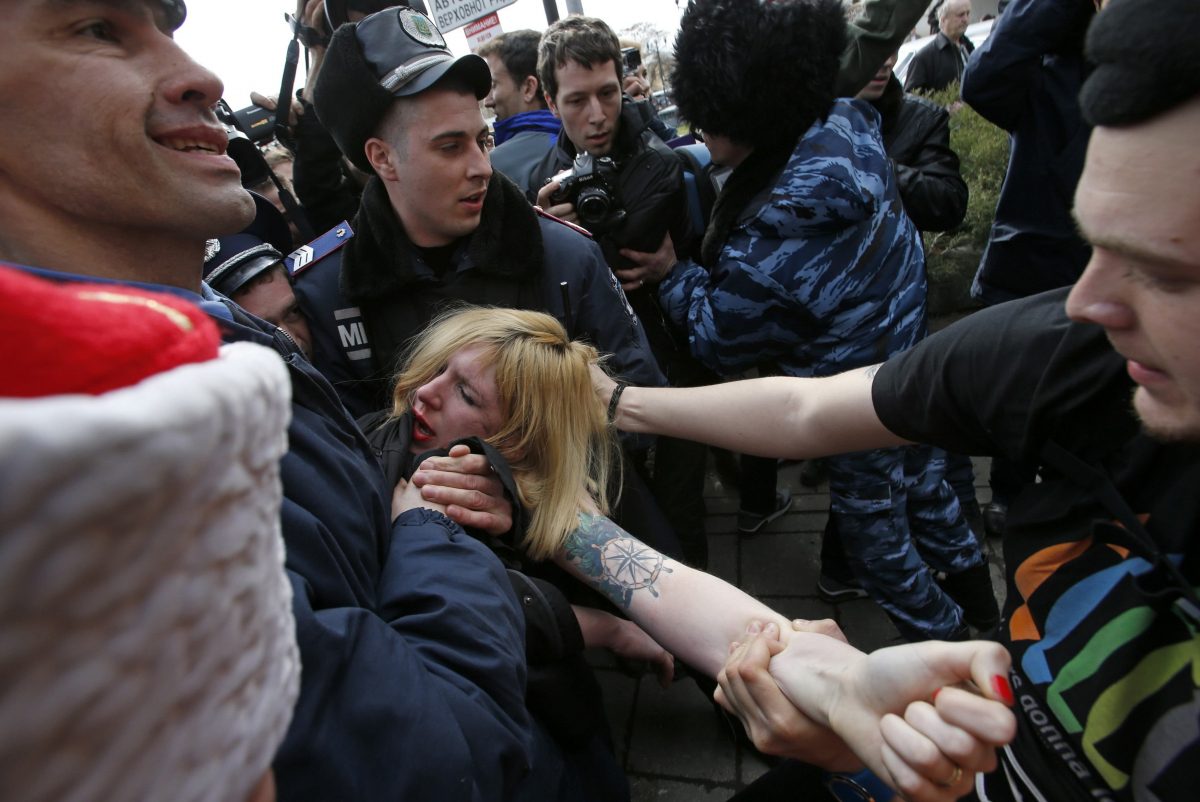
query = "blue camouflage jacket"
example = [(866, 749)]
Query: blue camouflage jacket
[(822, 273)]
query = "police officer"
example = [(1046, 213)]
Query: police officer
[(436, 225), (249, 268)]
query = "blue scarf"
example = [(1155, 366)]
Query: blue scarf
[(542, 120)]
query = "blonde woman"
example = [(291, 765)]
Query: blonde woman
[(514, 379)]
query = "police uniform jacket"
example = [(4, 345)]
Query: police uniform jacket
[(368, 294), (411, 642)]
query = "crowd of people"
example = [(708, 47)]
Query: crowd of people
[(338, 517)]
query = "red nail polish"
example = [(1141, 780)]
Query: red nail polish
[(935, 693), (1002, 689)]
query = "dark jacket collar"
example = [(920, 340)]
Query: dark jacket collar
[(381, 259), (943, 41)]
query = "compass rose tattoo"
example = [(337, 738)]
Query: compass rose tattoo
[(614, 561)]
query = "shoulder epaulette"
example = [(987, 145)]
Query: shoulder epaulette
[(305, 256), (570, 225)]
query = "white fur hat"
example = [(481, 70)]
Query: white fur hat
[(147, 646)]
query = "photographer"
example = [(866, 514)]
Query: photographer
[(257, 144), (610, 173), (581, 70)]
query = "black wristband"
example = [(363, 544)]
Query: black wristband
[(615, 399)]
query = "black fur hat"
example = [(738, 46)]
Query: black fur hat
[(758, 72), (1146, 59)]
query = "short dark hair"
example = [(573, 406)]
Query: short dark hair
[(1145, 61), (518, 52), (586, 40), (392, 126)]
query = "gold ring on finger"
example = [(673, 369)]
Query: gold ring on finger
[(954, 778)]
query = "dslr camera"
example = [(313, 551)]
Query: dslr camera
[(243, 149), (589, 185), (257, 123)]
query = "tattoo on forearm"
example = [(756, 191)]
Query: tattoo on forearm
[(614, 561), (871, 371)]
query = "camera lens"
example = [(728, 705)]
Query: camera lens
[(592, 205)]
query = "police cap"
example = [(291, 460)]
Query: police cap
[(232, 261), (394, 53)]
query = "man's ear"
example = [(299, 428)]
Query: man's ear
[(550, 105), (381, 155), (529, 89)]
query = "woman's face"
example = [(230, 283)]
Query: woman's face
[(459, 402)]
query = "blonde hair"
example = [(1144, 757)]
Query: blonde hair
[(554, 431)]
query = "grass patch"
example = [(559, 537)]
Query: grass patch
[(953, 256)]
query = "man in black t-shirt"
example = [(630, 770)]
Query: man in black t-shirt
[(1102, 556)]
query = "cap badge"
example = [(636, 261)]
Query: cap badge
[(420, 28)]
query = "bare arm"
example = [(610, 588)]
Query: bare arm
[(693, 615), (778, 416)]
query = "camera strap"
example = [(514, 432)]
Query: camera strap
[(283, 105)]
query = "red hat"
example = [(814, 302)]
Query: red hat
[(92, 338)]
